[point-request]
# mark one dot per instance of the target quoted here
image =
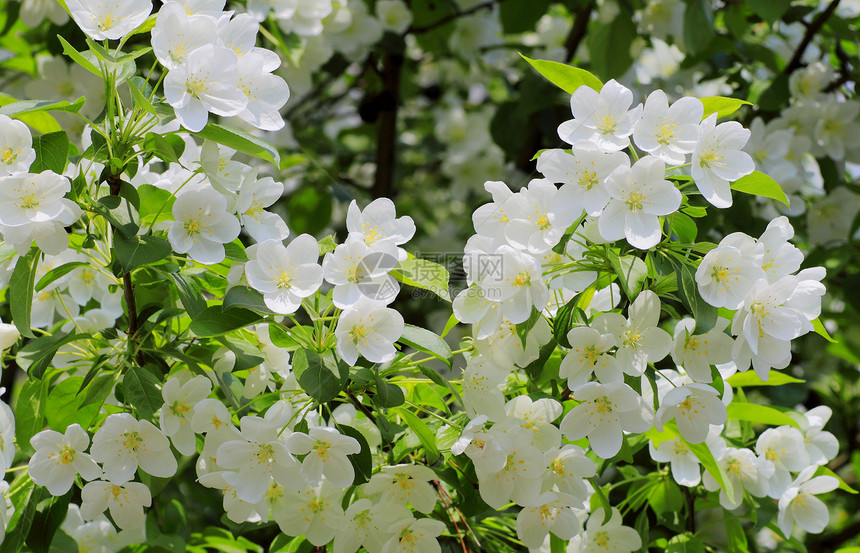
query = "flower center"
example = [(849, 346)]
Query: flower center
[(67, 455), (603, 405), (587, 179), (265, 454), (711, 159), (666, 132), (359, 333), (28, 200), (197, 85), (132, 441), (634, 201), (194, 226), (8, 156), (522, 279), (321, 448), (108, 22)]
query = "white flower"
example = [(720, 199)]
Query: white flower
[(602, 118), (718, 159), (312, 511), (402, 484), (694, 407), (225, 174), (798, 505), (609, 537), (59, 457), (582, 174), (606, 411), (7, 437), (394, 15), (589, 354), (6, 508), (640, 341), (306, 19), (414, 536), (357, 270), (727, 273), (33, 12), (124, 443), (551, 512), (325, 451), (668, 133), (96, 536), (481, 447), (683, 462), (482, 383), (16, 147), (204, 83), (568, 467), (8, 335), (378, 222), (697, 352), (32, 198), (539, 216), (779, 257), (178, 410), (821, 446), (784, 447), (255, 195), (836, 129), (202, 226), (534, 416), (265, 93), (765, 314), (176, 34), (369, 329), (285, 275), (366, 524), (109, 20), (491, 219), (744, 470), (639, 195), (125, 502), (517, 282), (256, 459)]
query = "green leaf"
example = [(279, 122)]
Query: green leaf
[(154, 203), (750, 378), (704, 455), (683, 227), (241, 142), (821, 331), (698, 26), (568, 316), (521, 17), (214, 321), (686, 543), (387, 394), (722, 105), (34, 106), (137, 251), (30, 411), (244, 296), (424, 274), (52, 152), (362, 462), (564, 76), (189, 294), (37, 355), (140, 389), (49, 515), (138, 87), (57, 273), (428, 342), (759, 184), (631, 273), (21, 287), (17, 533), (735, 535), (761, 414), (321, 375), (704, 313), (169, 148), (556, 544), (425, 435), (91, 402), (525, 327)]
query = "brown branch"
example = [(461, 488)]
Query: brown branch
[(811, 31), (360, 406), (451, 17), (115, 184), (386, 129)]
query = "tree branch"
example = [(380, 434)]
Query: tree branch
[(811, 31), (115, 184), (451, 17), (386, 130)]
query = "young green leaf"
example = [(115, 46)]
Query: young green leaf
[(565, 77), (759, 184)]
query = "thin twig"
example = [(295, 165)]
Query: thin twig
[(811, 31), (451, 17)]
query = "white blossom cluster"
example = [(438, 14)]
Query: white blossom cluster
[(514, 269), (33, 206)]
